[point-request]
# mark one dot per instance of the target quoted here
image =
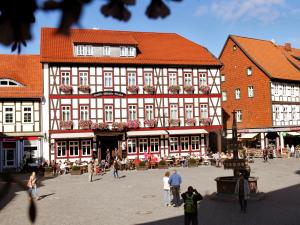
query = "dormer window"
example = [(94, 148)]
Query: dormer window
[(8, 82), (79, 50), (127, 51), (89, 50), (106, 50), (84, 50)]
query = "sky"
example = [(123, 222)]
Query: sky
[(206, 22)]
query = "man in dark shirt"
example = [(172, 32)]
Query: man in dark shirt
[(190, 198)]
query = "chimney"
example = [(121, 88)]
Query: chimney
[(288, 46)]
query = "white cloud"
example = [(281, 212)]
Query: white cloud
[(234, 10)]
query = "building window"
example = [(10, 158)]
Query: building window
[(106, 50), (284, 113), (80, 50), (131, 51), (154, 144), (202, 79), (148, 78), (172, 79), (127, 51), (108, 113), (195, 141), (222, 77), (184, 143), (131, 146), (86, 148), (249, 71), (8, 82), (237, 93), (65, 78), (234, 48), (250, 92), (66, 113), (149, 112), (9, 115), (174, 111), (61, 147), (203, 111), (132, 112), (89, 50), (73, 148), (83, 78), (27, 114), (277, 113), (188, 79), (224, 96), (131, 78), (107, 79), (143, 145), (173, 144), (293, 113), (84, 112), (189, 111), (284, 89), (276, 89), (238, 116), (292, 90)]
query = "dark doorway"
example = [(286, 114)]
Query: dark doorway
[(107, 142)]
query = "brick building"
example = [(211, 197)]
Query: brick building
[(260, 80)]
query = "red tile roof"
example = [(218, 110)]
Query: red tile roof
[(154, 48), (273, 59), (24, 69)]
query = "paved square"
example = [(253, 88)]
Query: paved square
[(137, 198)]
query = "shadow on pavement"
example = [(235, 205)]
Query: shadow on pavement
[(44, 196), (297, 172), (280, 207)]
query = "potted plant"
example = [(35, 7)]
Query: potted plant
[(174, 89), (162, 164), (190, 122), (142, 165), (48, 171), (149, 89), (84, 88), (205, 121), (85, 124), (95, 126), (188, 88), (133, 124), (150, 123), (103, 126), (192, 162), (67, 125), (133, 88), (174, 122), (67, 89), (76, 170), (204, 89), (119, 126)]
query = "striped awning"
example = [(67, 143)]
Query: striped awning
[(146, 133), (72, 135)]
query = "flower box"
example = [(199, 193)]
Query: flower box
[(174, 122), (205, 121), (67, 89), (133, 88), (162, 164), (119, 126), (174, 89), (103, 126), (95, 126), (66, 125), (142, 166), (150, 123), (188, 88), (84, 88), (149, 89), (85, 124), (133, 124), (76, 170), (190, 122), (204, 89)]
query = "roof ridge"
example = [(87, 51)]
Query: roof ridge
[(256, 39)]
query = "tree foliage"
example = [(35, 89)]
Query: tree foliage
[(17, 17)]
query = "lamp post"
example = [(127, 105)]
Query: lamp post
[(234, 136)]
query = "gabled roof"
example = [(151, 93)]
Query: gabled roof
[(275, 60), (153, 48), (24, 69)]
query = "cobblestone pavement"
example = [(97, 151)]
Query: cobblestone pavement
[(136, 198)]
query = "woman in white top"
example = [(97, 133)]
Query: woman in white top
[(167, 200)]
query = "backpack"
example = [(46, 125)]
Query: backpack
[(189, 206)]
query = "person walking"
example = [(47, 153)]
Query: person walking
[(167, 197), (265, 154), (32, 185), (190, 199), (116, 168), (243, 191), (175, 182), (107, 156), (91, 170)]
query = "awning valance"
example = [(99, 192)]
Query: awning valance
[(294, 133), (187, 131), (73, 135), (146, 133), (248, 135)]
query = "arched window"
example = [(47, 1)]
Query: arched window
[(9, 82)]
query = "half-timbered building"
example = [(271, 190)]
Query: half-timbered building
[(260, 80), (20, 111), (141, 92)]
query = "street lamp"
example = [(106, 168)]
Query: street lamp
[(234, 136)]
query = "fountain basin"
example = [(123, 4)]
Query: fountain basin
[(226, 185)]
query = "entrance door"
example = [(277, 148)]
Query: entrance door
[(9, 157), (108, 142)]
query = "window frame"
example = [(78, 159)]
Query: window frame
[(195, 141), (63, 76), (105, 73), (8, 83), (222, 77), (249, 92), (72, 145), (185, 139), (185, 76), (62, 113), (80, 50), (89, 50), (112, 113), (131, 110), (131, 142), (186, 107), (239, 116), (237, 93), (87, 78), (200, 75), (13, 112), (170, 110), (57, 147), (154, 140), (129, 73), (106, 50), (173, 140), (80, 106), (23, 114), (201, 106), (224, 96), (143, 142), (173, 74), (147, 106), (86, 143), (249, 71), (151, 77)]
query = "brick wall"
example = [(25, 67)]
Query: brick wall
[(256, 111)]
